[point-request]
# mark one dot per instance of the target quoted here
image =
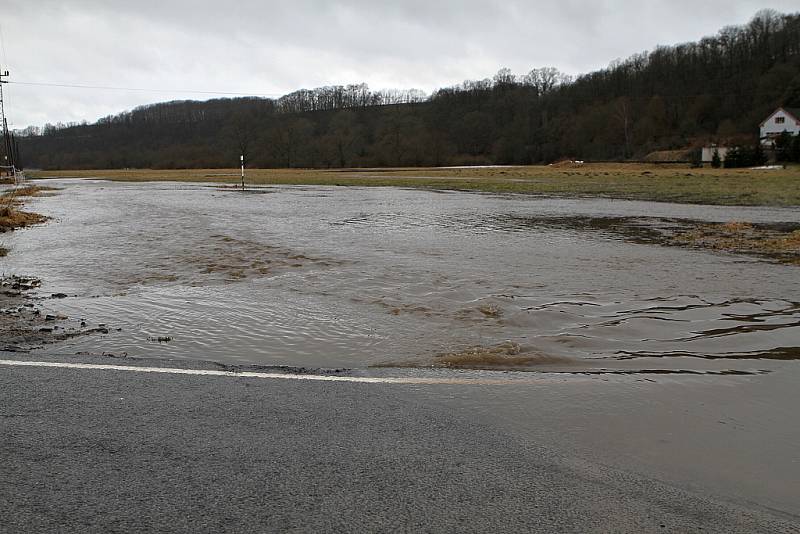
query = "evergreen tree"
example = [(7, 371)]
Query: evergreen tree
[(732, 158), (783, 146), (759, 157), (716, 162), (795, 152)]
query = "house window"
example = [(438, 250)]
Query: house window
[(780, 120)]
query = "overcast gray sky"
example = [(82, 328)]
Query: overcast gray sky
[(270, 47)]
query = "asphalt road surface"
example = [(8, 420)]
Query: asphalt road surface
[(87, 450)]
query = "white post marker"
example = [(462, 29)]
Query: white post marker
[(242, 159)]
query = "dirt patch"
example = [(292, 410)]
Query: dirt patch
[(23, 325)]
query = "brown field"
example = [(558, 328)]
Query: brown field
[(667, 183)]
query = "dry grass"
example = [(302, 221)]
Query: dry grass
[(735, 227), (673, 183), (28, 191), (11, 216), (788, 244), (744, 237)]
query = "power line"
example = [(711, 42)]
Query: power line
[(141, 89)]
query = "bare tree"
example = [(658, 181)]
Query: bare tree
[(240, 134), (545, 79), (287, 138), (622, 112), (504, 78)]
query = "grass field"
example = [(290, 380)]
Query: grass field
[(624, 181)]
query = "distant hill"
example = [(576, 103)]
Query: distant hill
[(719, 88)]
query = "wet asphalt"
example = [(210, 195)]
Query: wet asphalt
[(110, 451)]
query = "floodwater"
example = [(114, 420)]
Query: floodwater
[(676, 362), (357, 277)]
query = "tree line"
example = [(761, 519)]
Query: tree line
[(715, 90)]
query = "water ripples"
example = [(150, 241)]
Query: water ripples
[(334, 277)]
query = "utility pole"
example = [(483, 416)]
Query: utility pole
[(9, 162), (3, 74)]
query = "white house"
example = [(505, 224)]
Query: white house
[(781, 120)]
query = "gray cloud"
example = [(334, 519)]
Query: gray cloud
[(267, 47)]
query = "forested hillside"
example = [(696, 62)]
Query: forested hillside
[(717, 89)]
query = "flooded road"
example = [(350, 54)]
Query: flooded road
[(676, 362), (356, 277)]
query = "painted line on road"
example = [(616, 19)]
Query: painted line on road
[(270, 376)]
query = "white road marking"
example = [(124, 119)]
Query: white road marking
[(278, 376)]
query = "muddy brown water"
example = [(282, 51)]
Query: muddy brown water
[(357, 277)]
